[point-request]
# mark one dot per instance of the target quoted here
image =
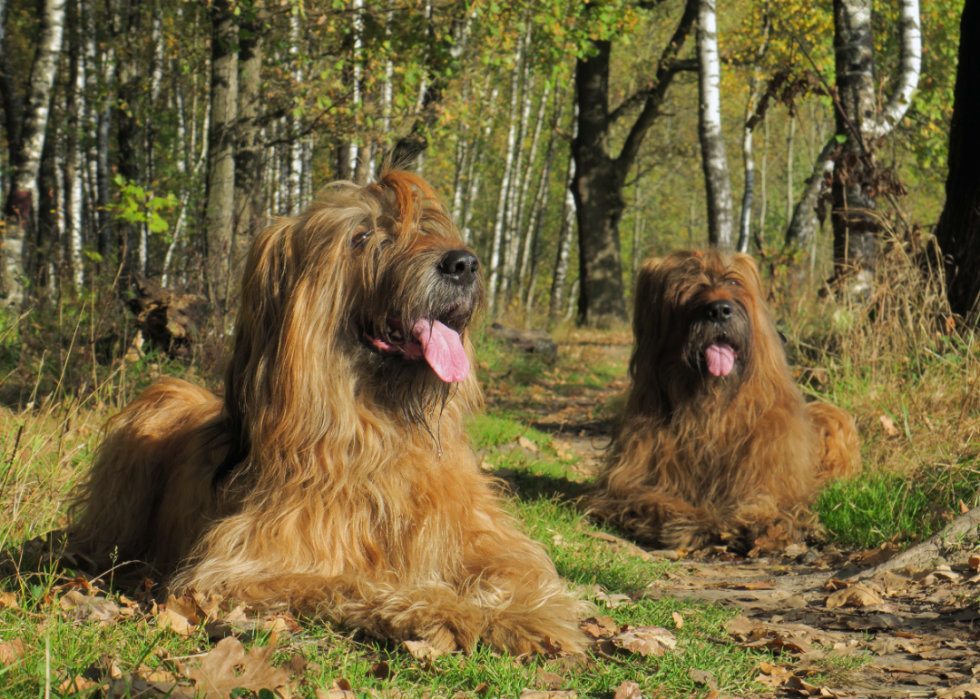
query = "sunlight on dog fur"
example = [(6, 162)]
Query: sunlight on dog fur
[(716, 443), (334, 476)]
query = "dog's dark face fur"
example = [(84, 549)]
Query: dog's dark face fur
[(698, 326)]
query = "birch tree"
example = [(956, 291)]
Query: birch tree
[(714, 159), (859, 126), (21, 205)]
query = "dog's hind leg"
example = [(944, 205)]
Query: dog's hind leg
[(115, 516), (839, 452)]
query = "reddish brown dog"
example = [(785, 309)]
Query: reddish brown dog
[(717, 443), (335, 476)]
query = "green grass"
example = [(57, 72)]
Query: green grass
[(875, 506)]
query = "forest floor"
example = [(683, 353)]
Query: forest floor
[(781, 622), (834, 627)]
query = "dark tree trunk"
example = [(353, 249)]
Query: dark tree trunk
[(598, 191), (129, 133), (221, 151), (600, 176), (958, 232), (249, 202)]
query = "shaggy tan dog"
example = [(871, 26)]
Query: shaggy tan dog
[(335, 476), (716, 442)]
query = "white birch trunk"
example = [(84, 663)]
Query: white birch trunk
[(501, 218), (23, 199), (564, 247), (713, 157), (910, 67), (75, 189)]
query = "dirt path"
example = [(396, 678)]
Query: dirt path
[(911, 633)]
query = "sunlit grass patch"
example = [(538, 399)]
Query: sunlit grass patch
[(875, 506)]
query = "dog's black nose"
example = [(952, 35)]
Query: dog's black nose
[(719, 311), (459, 266)]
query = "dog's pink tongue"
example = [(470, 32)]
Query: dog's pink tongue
[(443, 350), (720, 358)]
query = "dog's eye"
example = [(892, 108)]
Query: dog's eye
[(734, 282), (360, 238)]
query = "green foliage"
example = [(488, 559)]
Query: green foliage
[(138, 205)]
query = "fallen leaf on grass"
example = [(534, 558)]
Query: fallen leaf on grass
[(889, 426), (85, 608), (227, 667), (798, 686), (180, 615), (645, 640), (974, 562), (600, 627), (548, 694), (11, 651), (527, 444), (8, 600), (854, 596), (628, 690), (76, 684), (611, 600), (678, 620), (341, 689), (755, 635), (703, 677), (773, 675), (132, 686), (548, 680), (964, 691), (421, 650)]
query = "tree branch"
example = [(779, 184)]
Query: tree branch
[(655, 97)]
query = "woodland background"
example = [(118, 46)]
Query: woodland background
[(144, 143), (171, 132)]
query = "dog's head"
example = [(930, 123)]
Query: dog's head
[(365, 296), (700, 321)]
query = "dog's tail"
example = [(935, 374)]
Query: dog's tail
[(840, 455)]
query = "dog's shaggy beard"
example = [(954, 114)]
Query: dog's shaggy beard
[(705, 337)]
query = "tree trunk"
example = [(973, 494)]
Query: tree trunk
[(564, 246), (804, 223), (221, 150), (75, 157), (128, 133), (249, 204), (500, 221), (102, 168), (853, 220), (532, 242), (20, 207), (858, 127), (714, 159), (748, 163), (958, 232), (599, 177)]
